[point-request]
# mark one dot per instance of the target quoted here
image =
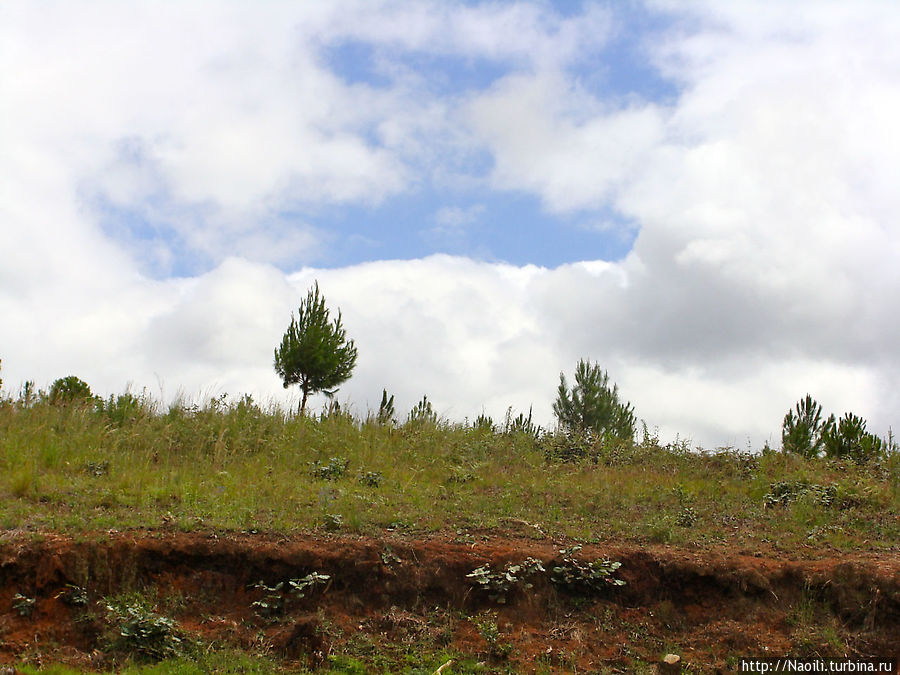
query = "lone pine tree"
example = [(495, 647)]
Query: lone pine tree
[(314, 351), (593, 404)]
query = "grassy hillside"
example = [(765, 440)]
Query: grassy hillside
[(128, 462)]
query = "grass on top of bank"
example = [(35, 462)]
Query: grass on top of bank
[(226, 464)]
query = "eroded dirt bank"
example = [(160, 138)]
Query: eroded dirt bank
[(398, 594)]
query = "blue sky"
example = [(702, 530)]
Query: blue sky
[(510, 226), (448, 205), (697, 195)]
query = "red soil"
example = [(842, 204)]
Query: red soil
[(707, 605)]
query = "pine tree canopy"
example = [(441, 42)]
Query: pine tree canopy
[(593, 404), (314, 351)]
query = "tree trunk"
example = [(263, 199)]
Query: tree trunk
[(303, 401)]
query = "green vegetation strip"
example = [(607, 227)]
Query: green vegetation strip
[(127, 462)]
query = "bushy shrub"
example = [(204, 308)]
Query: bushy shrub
[(125, 408), (70, 390), (145, 633), (786, 492), (569, 446), (335, 468), (579, 576)]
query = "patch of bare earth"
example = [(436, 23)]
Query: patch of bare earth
[(385, 593)]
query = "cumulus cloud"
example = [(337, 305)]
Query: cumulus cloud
[(149, 138), (549, 137), (204, 120), (452, 223), (764, 230), (527, 34)]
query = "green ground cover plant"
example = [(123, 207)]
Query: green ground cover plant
[(580, 576), (233, 662), (231, 463), (276, 598), (500, 583), (144, 633)]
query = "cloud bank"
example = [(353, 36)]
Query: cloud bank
[(155, 160)]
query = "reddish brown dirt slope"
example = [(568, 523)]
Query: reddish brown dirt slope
[(707, 605)]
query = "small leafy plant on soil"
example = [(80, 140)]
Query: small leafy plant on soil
[(486, 625), (498, 584), (97, 469), (73, 596), (333, 469), (333, 521), (687, 516), (388, 557), (371, 479), (579, 576), (145, 633), (23, 604), (276, 599), (786, 492)]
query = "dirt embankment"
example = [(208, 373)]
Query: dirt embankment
[(709, 606)]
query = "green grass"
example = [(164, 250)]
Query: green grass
[(128, 463), (235, 662)]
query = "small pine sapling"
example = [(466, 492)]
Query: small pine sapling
[(386, 415), (801, 432), (314, 352), (592, 403)]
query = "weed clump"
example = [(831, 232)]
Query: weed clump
[(786, 492), (371, 479), (578, 576), (145, 633), (499, 584), (571, 574), (277, 598), (73, 596), (23, 605), (335, 468), (486, 625)]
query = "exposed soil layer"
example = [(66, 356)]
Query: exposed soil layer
[(392, 593)]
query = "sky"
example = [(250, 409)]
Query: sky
[(700, 196)]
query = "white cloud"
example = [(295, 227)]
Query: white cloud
[(765, 265), (201, 115), (472, 336), (550, 138), (452, 223), (528, 34), (455, 217), (212, 118)]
